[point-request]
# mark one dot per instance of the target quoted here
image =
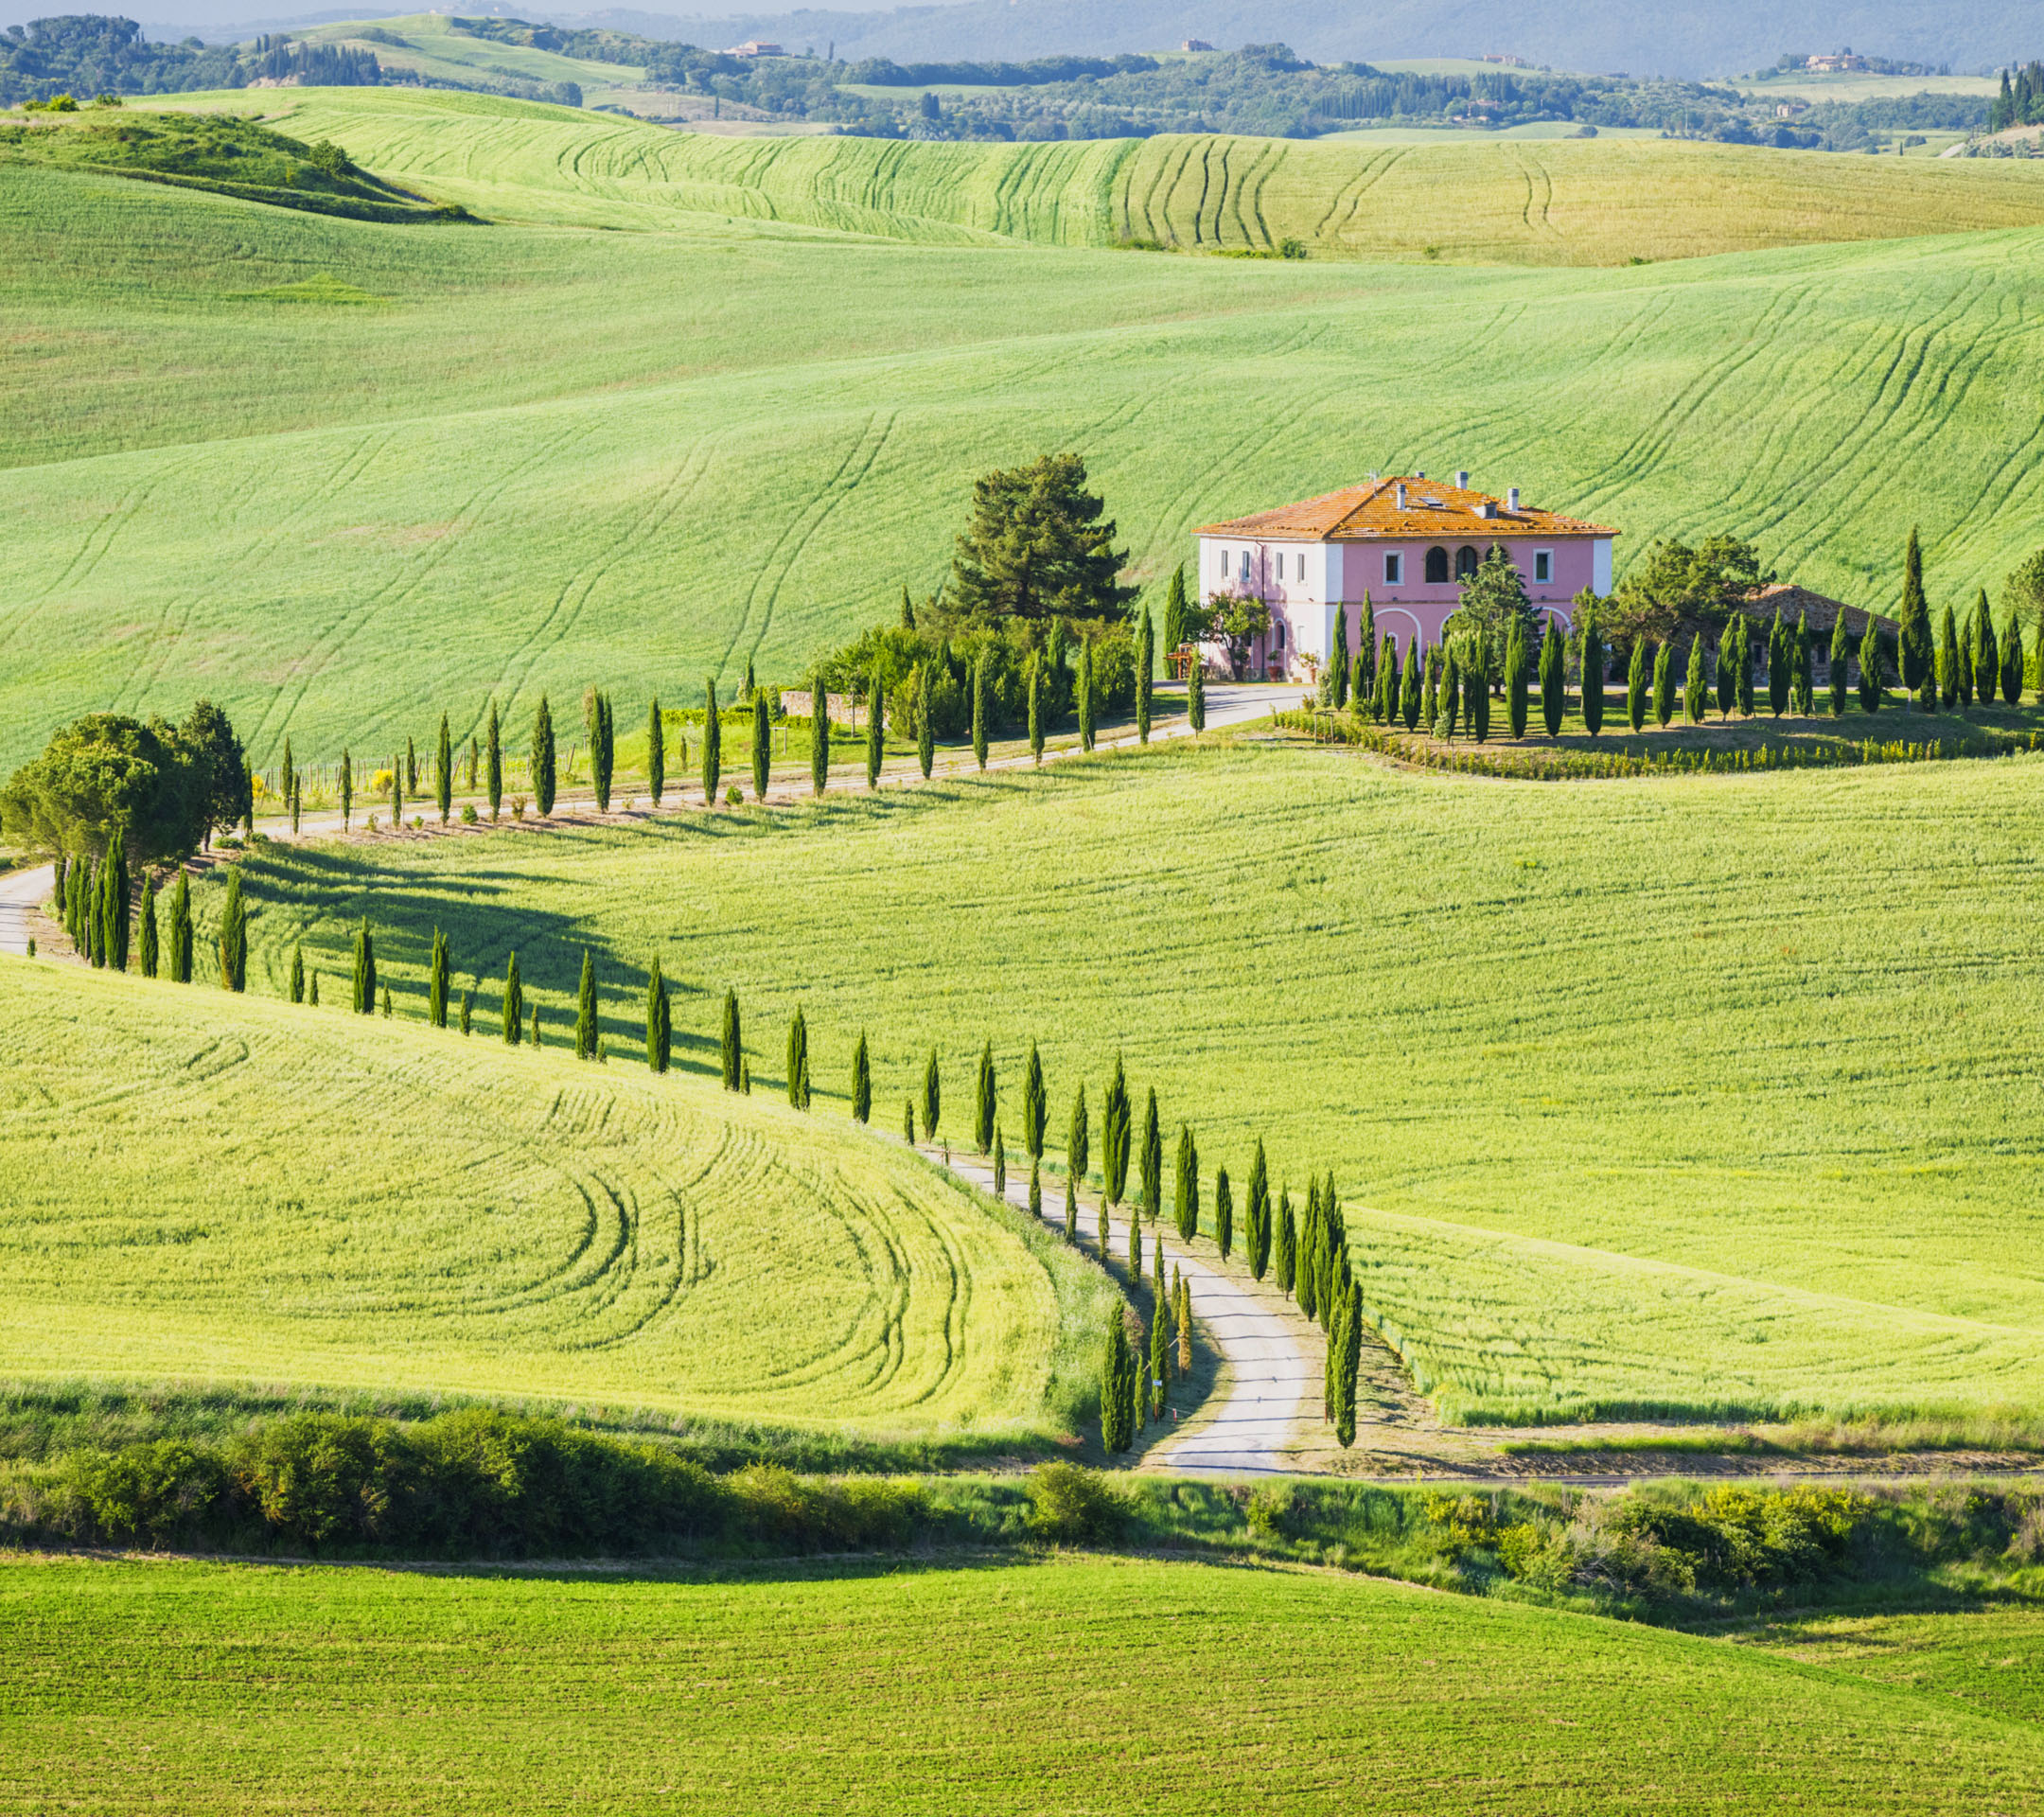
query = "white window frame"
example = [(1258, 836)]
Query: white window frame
[(1543, 558), (1247, 572), (1224, 562), (1394, 568)]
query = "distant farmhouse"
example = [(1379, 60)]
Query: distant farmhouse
[(1408, 542), (1836, 60), (754, 48), (1195, 43)]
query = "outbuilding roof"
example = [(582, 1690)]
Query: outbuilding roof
[(1360, 513)]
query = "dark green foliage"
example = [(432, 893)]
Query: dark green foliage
[(1348, 1345), (114, 900), (1038, 546), (1176, 634), (713, 743), (1035, 1105), (1695, 684), (436, 981), (1447, 695), (1152, 1160), (1135, 1241), (659, 1020), (295, 804), (908, 1129), (861, 1081), (1871, 664), (493, 762), (585, 1030), (1477, 684), (1116, 1130), (397, 793), (234, 935), (1036, 1191), (1664, 684), (1986, 651), (602, 747), (147, 955), (1948, 658), (730, 1045), (1838, 666), (926, 733), (1410, 704), (178, 936), (1258, 1214), (1553, 680), (875, 729), (979, 712), (1224, 1213), (542, 758), (1387, 680), (1741, 634), (1186, 1195), (1071, 1210), (2012, 662), (819, 738), (1035, 708), (1912, 621), (1515, 681), (106, 773), (467, 1007), (1594, 658), (312, 994), (1308, 1267), (932, 1098), (1160, 1348), (1360, 676), (514, 1003), (762, 744), (1145, 662), (1639, 684), (1429, 694), (1196, 694), (1086, 696), (983, 1100), (1118, 1369), (1001, 1164), (444, 772), (1781, 665), (1078, 1139), (798, 1061), (1730, 641), (1287, 1244), (348, 788), (1802, 692), (536, 1025), (297, 972), (411, 768)]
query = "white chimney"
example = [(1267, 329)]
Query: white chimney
[(1461, 478), (1401, 495), (1511, 498)]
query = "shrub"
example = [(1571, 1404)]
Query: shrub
[(1273, 1512), (1069, 1504)]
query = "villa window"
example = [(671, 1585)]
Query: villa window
[(1394, 570), (1437, 566), (1224, 564), (1542, 564), (1244, 568), (1465, 562), (1277, 634)]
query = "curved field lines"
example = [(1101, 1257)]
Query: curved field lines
[(237, 1191)]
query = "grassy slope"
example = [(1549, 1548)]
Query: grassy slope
[(1990, 1660), (1037, 1687), (243, 1192), (1564, 203), (1710, 1094), (555, 458), (432, 46)]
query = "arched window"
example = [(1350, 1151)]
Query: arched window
[(1437, 566), (1465, 561), (1279, 629)]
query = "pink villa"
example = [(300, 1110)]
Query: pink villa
[(1406, 542)]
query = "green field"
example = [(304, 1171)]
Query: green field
[(257, 456), (1068, 1685), (306, 1200), (1711, 1095), (1988, 1659), (427, 44)]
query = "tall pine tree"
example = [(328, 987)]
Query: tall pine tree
[(585, 1030), (1145, 662), (932, 1098), (542, 758), (436, 981), (861, 1081), (1553, 680), (148, 955), (656, 746), (1224, 1213), (762, 744), (659, 1020), (713, 743), (875, 729), (514, 1002), (798, 1060), (731, 1041), (1036, 1107), (234, 935), (818, 736), (1186, 1195), (1086, 696), (1258, 1214), (443, 773), (1913, 654), (983, 1100)]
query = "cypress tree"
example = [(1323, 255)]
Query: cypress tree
[(1175, 634), (1160, 1344), (875, 729), (908, 1128), (1553, 680), (363, 1000), (2011, 662), (1515, 679), (1287, 1244), (1962, 663), (1745, 676), (411, 769), (730, 1044), (1349, 1337), (1837, 667), (713, 743), (1071, 1210), (1145, 660), (233, 941), (861, 1081), (467, 1007), (1078, 1140), (147, 956), (1410, 690), (602, 749), (1308, 1267), (1036, 1106), (932, 1098), (295, 804), (1035, 1191), (61, 886), (1592, 674), (443, 773), (1259, 1214), (1780, 666), (659, 1028), (536, 1025), (1187, 1197), (1001, 1164), (762, 744), (1871, 663), (979, 712), (436, 983), (1116, 1428), (1805, 691), (297, 972), (347, 789), (1362, 675), (983, 1100), (1639, 683), (1476, 685), (798, 1061), (514, 1003), (1387, 679), (1337, 695), (1035, 707), (542, 759), (1115, 1133), (288, 769), (656, 748), (73, 886), (1664, 684), (386, 1003), (313, 993), (1728, 641), (819, 737), (95, 915), (1430, 695), (925, 732), (1195, 693), (1135, 1239), (1948, 658), (493, 762), (396, 795), (1086, 696), (1152, 1160), (1224, 1213), (1695, 684), (585, 1025), (117, 931), (1987, 652), (1912, 634), (181, 931)]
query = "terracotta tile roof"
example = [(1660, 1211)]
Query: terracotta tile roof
[(1433, 508), (1793, 601)]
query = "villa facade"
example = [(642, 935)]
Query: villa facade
[(1406, 541)]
